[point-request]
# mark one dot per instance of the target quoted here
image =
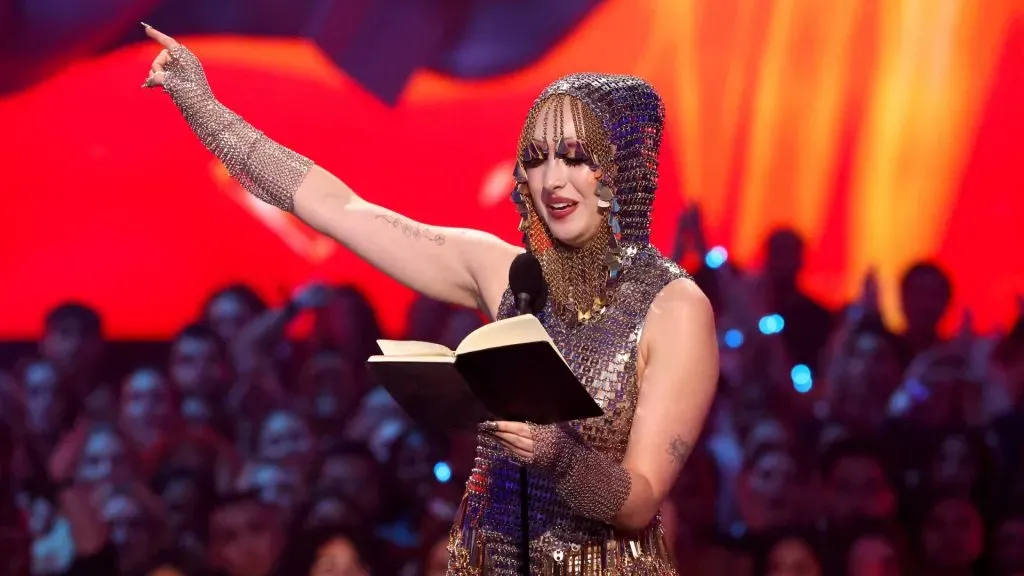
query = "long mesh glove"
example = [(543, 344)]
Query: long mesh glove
[(263, 167), (591, 483)]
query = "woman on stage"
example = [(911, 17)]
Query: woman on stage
[(632, 325)]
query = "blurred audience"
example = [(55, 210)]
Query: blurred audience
[(837, 445)]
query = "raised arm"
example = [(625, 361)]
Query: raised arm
[(456, 265), (679, 371), (464, 267)]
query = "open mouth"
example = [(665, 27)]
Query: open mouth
[(559, 210)]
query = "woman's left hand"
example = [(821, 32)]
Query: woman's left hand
[(516, 437)]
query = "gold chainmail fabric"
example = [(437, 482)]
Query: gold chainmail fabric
[(619, 122), (603, 354), (622, 120), (266, 169), (575, 283)]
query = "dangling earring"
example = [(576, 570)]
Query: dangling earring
[(606, 199), (519, 174), (520, 202), (603, 192), (604, 196)]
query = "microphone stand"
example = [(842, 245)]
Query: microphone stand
[(523, 307)]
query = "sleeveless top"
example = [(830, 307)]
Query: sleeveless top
[(485, 539)]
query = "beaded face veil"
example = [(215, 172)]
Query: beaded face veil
[(619, 121)]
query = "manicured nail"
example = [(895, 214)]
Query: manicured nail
[(144, 25)]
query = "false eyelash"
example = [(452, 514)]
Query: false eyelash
[(535, 162)]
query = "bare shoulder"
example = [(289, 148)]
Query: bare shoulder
[(679, 301), (679, 316)]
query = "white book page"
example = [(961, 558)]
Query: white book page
[(413, 348), (413, 359), (507, 332)]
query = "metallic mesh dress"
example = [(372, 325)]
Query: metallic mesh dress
[(600, 297), (600, 345)]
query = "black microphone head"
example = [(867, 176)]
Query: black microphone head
[(525, 276)]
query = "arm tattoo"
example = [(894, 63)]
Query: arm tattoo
[(679, 449), (414, 231)]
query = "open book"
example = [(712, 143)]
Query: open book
[(506, 370)]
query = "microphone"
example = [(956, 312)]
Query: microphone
[(526, 281)]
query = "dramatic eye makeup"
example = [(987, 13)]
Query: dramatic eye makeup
[(572, 151)]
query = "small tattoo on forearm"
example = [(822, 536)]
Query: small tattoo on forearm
[(414, 231), (679, 449)]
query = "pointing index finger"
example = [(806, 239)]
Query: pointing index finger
[(163, 39)]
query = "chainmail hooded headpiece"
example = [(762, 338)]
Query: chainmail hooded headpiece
[(619, 122)]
